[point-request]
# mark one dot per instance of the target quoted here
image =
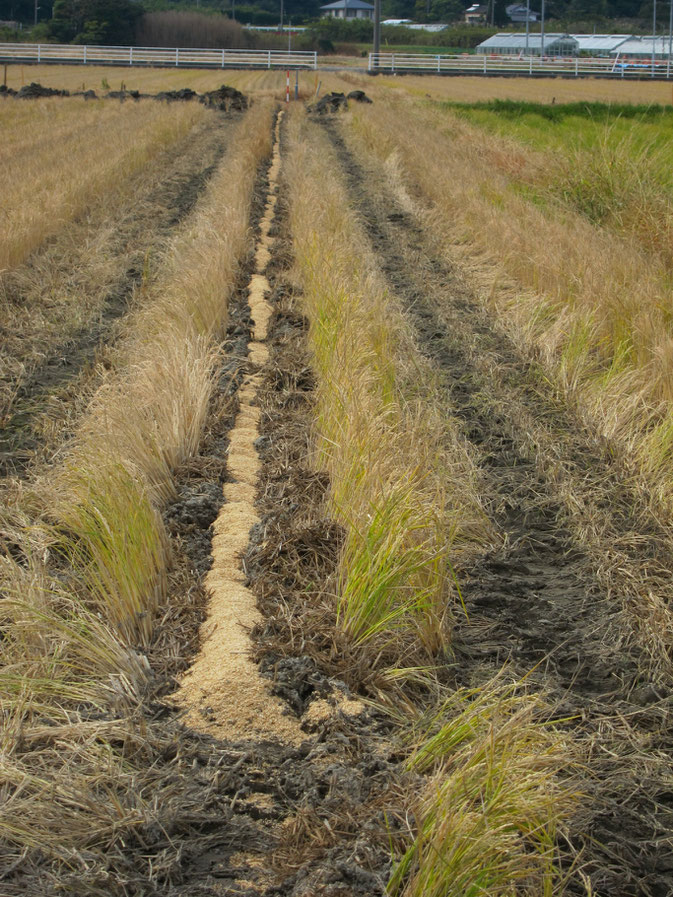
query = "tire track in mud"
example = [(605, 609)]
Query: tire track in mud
[(299, 771), (223, 692), (535, 603), (161, 211)]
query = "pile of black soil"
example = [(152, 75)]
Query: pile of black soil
[(331, 102), (225, 99), (35, 91), (336, 102), (170, 96), (359, 96)]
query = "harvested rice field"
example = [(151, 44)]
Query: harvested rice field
[(336, 531)]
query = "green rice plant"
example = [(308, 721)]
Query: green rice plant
[(489, 815), (116, 546), (401, 482), (394, 572)]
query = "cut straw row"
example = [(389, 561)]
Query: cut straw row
[(87, 571), (405, 502)]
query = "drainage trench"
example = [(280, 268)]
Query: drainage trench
[(223, 692)]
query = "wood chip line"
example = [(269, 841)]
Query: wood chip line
[(223, 692)]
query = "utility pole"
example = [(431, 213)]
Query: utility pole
[(377, 30), (654, 33), (527, 23), (36, 9), (289, 35), (281, 16), (670, 40), (542, 32)]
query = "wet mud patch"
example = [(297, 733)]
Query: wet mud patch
[(190, 517), (539, 603), (344, 805), (45, 385)]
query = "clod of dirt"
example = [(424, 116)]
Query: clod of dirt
[(225, 99), (359, 96), (186, 93), (125, 94), (197, 506), (331, 102), (295, 679), (34, 91)]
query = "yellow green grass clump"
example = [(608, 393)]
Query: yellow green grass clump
[(588, 293), (488, 816), (406, 502), (86, 556)]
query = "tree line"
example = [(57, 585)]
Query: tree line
[(217, 22)]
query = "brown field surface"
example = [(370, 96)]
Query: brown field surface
[(465, 89), (336, 510), (151, 80), (98, 143)]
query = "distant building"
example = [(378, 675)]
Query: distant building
[(599, 44), (476, 14), (622, 46), (510, 44), (348, 9), (642, 48), (516, 12)]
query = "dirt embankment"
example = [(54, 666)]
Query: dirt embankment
[(66, 304), (224, 98), (543, 603)]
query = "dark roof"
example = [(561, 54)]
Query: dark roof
[(348, 4)]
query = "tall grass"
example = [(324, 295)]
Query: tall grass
[(401, 484), (589, 300), (489, 814), (86, 555), (475, 89), (58, 158)]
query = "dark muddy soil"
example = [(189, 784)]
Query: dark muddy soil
[(537, 603), (250, 818), (159, 211), (300, 821)]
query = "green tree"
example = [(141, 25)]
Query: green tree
[(500, 16), (95, 21), (439, 10), (586, 10)]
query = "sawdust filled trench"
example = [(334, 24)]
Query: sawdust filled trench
[(223, 692)]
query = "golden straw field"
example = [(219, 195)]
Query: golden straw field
[(335, 533)]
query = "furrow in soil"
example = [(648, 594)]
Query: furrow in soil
[(538, 603), (223, 691), (299, 771), (100, 262)]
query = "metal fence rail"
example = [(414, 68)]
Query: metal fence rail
[(71, 54), (514, 65)]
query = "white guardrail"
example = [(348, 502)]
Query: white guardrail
[(515, 65), (71, 54)]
